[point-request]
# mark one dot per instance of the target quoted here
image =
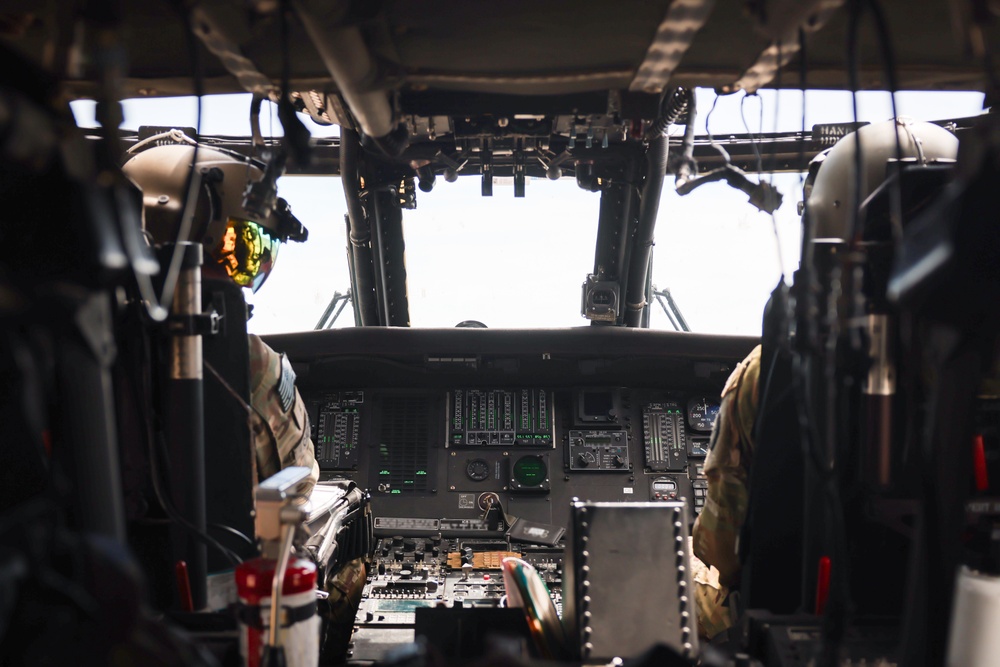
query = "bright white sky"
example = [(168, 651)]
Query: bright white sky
[(521, 262)]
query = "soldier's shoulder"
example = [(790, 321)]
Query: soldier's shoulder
[(261, 353), (748, 369)]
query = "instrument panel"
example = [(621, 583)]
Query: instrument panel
[(463, 477), (432, 422), (433, 455)]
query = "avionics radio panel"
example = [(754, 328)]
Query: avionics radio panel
[(598, 450), (500, 418), (337, 432)]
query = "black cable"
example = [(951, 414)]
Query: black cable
[(672, 107), (773, 162), (889, 63), (155, 452), (887, 51), (251, 410), (854, 200), (708, 117), (708, 130), (857, 297), (190, 185), (286, 52), (755, 141), (754, 138), (232, 531), (777, 108), (685, 167), (296, 139), (803, 73), (855, 196)]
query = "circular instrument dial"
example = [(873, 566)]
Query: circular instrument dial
[(530, 471), (477, 470), (701, 413)]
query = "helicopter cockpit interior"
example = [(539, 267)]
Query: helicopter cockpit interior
[(515, 494)]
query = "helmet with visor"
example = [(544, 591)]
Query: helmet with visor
[(243, 245)]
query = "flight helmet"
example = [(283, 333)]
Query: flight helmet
[(831, 179), (242, 244)]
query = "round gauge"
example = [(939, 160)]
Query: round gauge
[(530, 471), (698, 447), (477, 470), (701, 413)]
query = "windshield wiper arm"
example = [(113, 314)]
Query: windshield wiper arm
[(325, 320), (666, 301)]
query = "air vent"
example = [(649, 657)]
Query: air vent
[(403, 446)]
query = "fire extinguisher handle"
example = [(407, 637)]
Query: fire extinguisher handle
[(287, 536), (273, 656)]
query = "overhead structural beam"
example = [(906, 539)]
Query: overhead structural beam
[(780, 151), (775, 19), (521, 84), (683, 20), (781, 51), (219, 43), (349, 62)]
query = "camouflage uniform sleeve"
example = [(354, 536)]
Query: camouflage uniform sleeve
[(280, 425), (710, 599), (341, 607), (727, 467)]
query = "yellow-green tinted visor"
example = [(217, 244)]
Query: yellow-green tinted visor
[(247, 251)]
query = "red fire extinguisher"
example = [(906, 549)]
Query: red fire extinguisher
[(298, 622)]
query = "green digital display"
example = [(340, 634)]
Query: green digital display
[(530, 471), (398, 605)]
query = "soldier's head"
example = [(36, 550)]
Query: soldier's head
[(238, 243), (831, 176)]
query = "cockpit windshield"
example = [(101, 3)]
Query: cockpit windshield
[(511, 262)]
